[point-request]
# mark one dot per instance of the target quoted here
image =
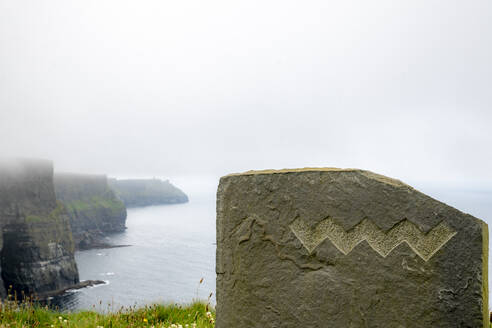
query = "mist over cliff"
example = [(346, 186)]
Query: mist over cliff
[(168, 88), (37, 249), (145, 192), (92, 206)]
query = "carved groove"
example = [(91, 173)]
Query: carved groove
[(423, 244)]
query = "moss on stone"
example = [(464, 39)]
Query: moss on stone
[(52, 228), (115, 206), (52, 216)]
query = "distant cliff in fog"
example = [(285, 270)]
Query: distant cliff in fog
[(145, 192), (37, 250), (93, 207)]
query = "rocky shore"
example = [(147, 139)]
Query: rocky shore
[(79, 285)]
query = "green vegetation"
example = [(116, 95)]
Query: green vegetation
[(41, 230), (28, 314), (54, 216), (145, 192), (113, 205)]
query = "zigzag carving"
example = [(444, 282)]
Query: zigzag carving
[(423, 244)]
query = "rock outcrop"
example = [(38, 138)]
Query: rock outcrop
[(93, 208), (345, 248), (37, 253), (145, 192)]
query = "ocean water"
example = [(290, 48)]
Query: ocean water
[(173, 248)]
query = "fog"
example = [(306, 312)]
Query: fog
[(185, 88)]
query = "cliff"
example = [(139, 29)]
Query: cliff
[(93, 208), (37, 249), (145, 192)]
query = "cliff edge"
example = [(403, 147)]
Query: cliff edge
[(93, 208), (146, 192), (37, 249)]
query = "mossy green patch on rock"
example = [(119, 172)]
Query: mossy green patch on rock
[(95, 203), (38, 251), (93, 208), (145, 192), (53, 216), (52, 228)]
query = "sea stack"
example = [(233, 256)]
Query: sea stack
[(345, 248), (37, 254)]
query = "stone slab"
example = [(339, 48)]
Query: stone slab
[(345, 248)]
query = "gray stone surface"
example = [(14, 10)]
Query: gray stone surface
[(345, 248)]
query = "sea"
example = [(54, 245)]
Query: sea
[(171, 257)]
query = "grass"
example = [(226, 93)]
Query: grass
[(115, 206), (29, 314), (54, 216)]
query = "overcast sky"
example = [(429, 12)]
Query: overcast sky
[(194, 87)]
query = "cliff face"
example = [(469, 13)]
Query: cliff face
[(145, 192), (93, 208), (37, 254)]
